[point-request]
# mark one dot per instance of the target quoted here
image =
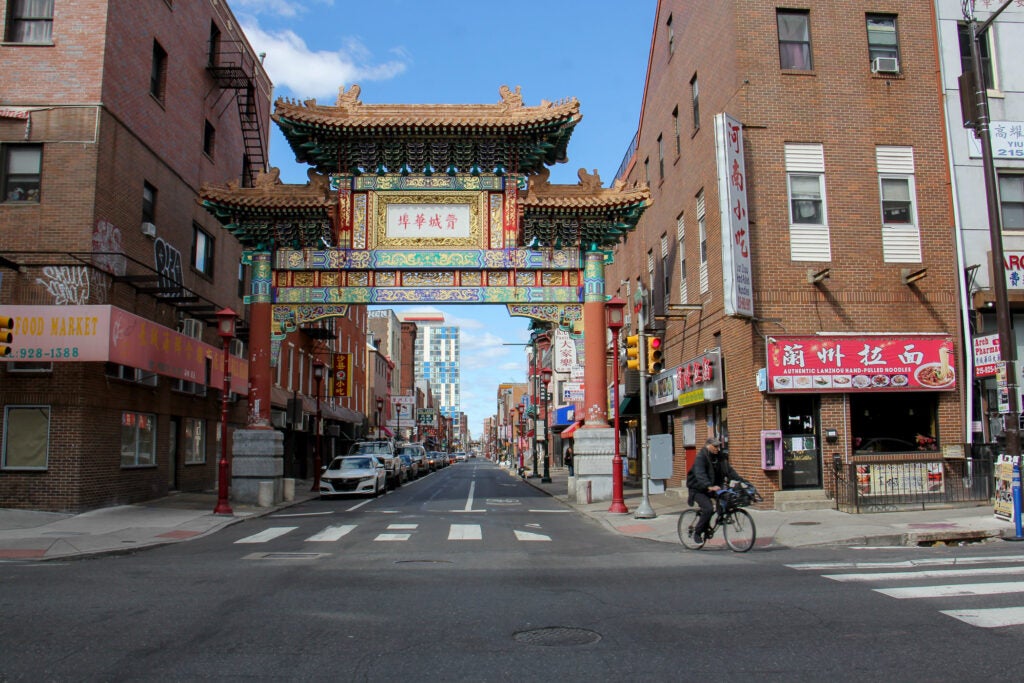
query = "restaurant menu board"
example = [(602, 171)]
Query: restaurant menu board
[(860, 363)]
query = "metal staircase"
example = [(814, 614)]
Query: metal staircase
[(234, 68)]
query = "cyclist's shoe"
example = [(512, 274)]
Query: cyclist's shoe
[(698, 537)]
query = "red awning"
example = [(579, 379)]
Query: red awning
[(386, 431), (568, 431)]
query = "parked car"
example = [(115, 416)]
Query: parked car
[(353, 475), (411, 466), (460, 456), (385, 452), (442, 459), (418, 453)]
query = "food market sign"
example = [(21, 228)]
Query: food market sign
[(860, 363)]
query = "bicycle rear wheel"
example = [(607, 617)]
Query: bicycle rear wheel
[(687, 522), (740, 532)]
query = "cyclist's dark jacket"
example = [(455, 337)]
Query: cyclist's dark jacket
[(710, 470)]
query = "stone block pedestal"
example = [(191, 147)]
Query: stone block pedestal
[(594, 448), (257, 455)]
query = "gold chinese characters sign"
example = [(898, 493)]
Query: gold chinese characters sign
[(443, 219)]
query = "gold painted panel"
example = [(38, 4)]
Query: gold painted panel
[(386, 278), (330, 278), (359, 278), (550, 279), (501, 279), (435, 278), (472, 278), (303, 279), (476, 202), (525, 279)]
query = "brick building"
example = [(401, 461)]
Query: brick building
[(799, 254), (112, 115)]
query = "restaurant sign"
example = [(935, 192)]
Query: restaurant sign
[(860, 363), (698, 380)]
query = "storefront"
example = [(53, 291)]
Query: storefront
[(863, 399)]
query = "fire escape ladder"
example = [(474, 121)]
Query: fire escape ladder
[(234, 68)]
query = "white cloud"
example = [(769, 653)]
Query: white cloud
[(281, 8), (304, 72)]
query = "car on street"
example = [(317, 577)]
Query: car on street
[(353, 475), (385, 452), (411, 466), (419, 454), (460, 456)]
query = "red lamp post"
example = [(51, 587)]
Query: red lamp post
[(545, 377), (614, 319), (380, 409), (519, 446), (318, 377), (226, 331)]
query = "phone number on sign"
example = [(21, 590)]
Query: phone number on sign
[(46, 354)]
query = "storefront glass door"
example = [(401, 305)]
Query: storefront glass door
[(801, 462)]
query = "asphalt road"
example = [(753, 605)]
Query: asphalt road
[(472, 575)]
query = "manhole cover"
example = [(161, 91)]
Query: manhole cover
[(804, 523), (422, 562), (557, 636)]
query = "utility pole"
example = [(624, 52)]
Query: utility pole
[(644, 510)]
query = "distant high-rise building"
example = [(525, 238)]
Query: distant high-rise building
[(437, 354)]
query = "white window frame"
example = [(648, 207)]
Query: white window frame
[(8, 438), (1002, 211), (680, 237), (136, 457), (901, 242), (807, 241), (702, 234), (194, 441)]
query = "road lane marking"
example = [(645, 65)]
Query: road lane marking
[(392, 537), (267, 535), (548, 511), (929, 574), (358, 505), (469, 501), (989, 618), (331, 533), (402, 527), (464, 532), (938, 561), (954, 590), (304, 514), (530, 536)]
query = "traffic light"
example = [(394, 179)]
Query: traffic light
[(6, 336), (633, 352), (654, 356)]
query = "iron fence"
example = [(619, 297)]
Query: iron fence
[(891, 486)]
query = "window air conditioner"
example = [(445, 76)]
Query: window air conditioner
[(236, 348), (190, 327), (885, 65), (148, 229), (279, 419)]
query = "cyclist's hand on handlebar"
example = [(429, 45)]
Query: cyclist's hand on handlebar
[(714, 488)]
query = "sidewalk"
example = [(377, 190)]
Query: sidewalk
[(794, 529), (27, 535)]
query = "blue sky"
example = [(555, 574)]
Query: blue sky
[(452, 52)]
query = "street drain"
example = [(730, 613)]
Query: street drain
[(422, 562), (557, 636), (804, 523)]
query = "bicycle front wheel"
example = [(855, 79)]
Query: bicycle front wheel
[(740, 533), (685, 527)]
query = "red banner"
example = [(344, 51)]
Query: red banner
[(342, 372), (861, 363)]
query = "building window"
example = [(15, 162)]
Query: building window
[(241, 280), (1011, 201), (647, 170), (666, 271), (129, 374), (702, 235), (202, 251), (661, 158), (158, 72), (882, 39), (21, 172), (984, 50), (138, 439), (806, 199), (26, 437), (671, 36), (214, 47), (901, 238), (680, 237), (29, 21), (897, 201), (195, 441), (148, 203), (675, 127), (209, 137), (695, 100), (794, 40)]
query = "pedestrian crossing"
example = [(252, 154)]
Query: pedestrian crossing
[(951, 583), (395, 532)]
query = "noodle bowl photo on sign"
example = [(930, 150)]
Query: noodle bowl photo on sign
[(934, 375)]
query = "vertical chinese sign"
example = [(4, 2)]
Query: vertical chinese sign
[(342, 374), (737, 277)]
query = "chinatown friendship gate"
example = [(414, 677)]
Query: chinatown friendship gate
[(412, 204)]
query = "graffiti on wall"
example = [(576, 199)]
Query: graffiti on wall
[(108, 258), (68, 285), (168, 264)]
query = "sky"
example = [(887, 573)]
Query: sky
[(459, 52)]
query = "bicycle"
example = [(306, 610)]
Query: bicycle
[(736, 523)]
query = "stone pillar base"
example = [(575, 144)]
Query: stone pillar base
[(257, 456), (593, 451)]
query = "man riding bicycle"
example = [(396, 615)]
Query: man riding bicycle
[(711, 471)]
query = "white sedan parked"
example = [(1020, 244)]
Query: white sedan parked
[(353, 475)]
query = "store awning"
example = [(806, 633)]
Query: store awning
[(387, 431), (630, 405), (568, 431)]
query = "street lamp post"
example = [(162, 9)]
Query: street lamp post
[(380, 409), (545, 376), (226, 331), (613, 310), (318, 377), (518, 447)]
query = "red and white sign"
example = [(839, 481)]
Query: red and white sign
[(737, 275), (342, 374), (986, 355), (861, 363)]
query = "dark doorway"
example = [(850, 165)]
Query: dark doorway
[(801, 462)]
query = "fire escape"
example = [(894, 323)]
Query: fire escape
[(234, 68)]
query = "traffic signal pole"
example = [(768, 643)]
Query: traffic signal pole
[(644, 510)]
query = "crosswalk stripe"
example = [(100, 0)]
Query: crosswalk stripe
[(989, 618), (530, 536), (268, 534), (929, 574), (392, 537), (402, 527), (331, 533), (929, 562), (464, 532), (953, 591)]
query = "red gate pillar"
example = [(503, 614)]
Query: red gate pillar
[(260, 320), (595, 373)]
